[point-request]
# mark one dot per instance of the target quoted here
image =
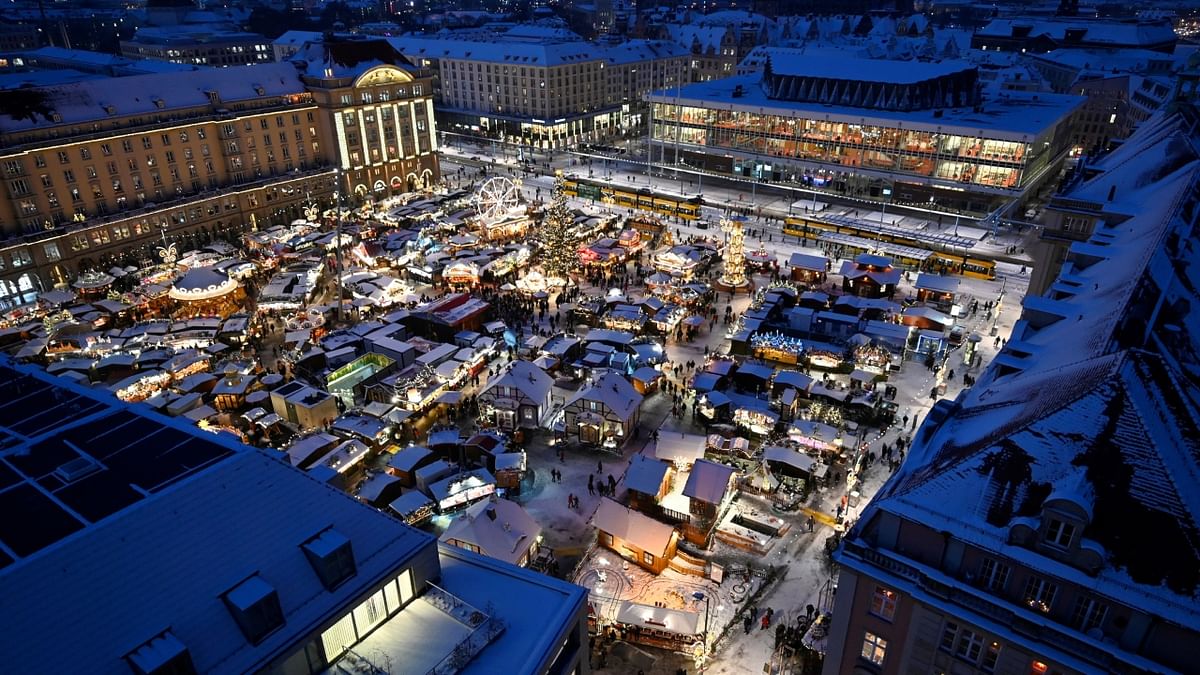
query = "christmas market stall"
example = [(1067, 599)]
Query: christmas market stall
[(758, 421), (808, 269), (662, 627), (93, 285), (775, 346)]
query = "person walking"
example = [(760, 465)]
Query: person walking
[(591, 484)]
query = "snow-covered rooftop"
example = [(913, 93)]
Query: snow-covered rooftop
[(1010, 115), (157, 94), (638, 529), (1092, 400), (530, 380), (865, 70), (708, 481), (501, 529), (495, 49), (645, 475), (615, 392), (170, 521)]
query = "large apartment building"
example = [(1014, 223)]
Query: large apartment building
[(179, 551), (96, 172), (202, 45), (1045, 521), (376, 110), (543, 92)]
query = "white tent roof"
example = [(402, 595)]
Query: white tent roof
[(685, 448), (790, 457), (659, 618)]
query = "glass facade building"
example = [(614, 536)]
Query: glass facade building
[(867, 152)]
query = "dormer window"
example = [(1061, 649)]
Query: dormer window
[(331, 557), (159, 103), (254, 605), (259, 90), (1059, 533)]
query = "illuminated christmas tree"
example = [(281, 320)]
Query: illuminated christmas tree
[(558, 242), (735, 253)]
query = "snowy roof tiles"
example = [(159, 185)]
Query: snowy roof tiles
[(1080, 392), (342, 58), (1079, 31), (645, 475), (864, 70), (156, 93), (506, 534), (1010, 115), (527, 378), (638, 529), (614, 392), (708, 481), (495, 49)]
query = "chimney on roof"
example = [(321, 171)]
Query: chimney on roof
[(1112, 192)]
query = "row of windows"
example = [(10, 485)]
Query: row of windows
[(381, 95), (14, 167), (968, 644)]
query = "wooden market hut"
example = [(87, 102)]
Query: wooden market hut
[(635, 537), (808, 269), (709, 488), (647, 481)]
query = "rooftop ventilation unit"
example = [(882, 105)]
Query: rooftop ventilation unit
[(76, 469)]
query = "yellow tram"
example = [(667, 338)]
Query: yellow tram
[(687, 208), (953, 263)]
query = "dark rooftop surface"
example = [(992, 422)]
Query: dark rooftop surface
[(51, 488)]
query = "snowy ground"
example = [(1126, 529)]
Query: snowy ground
[(807, 579)]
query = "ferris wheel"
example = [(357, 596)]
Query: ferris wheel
[(496, 197)]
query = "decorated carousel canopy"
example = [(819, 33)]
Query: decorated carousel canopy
[(92, 281), (202, 283)]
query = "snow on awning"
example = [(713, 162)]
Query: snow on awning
[(675, 621), (790, 457)]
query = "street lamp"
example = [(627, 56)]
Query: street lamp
[(701, 596), (337, 245)]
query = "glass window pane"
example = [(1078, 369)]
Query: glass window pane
[(338, 638), (406, 586)]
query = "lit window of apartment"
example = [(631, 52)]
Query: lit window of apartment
[(874, 648), (883, 603), (1039, 593)]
